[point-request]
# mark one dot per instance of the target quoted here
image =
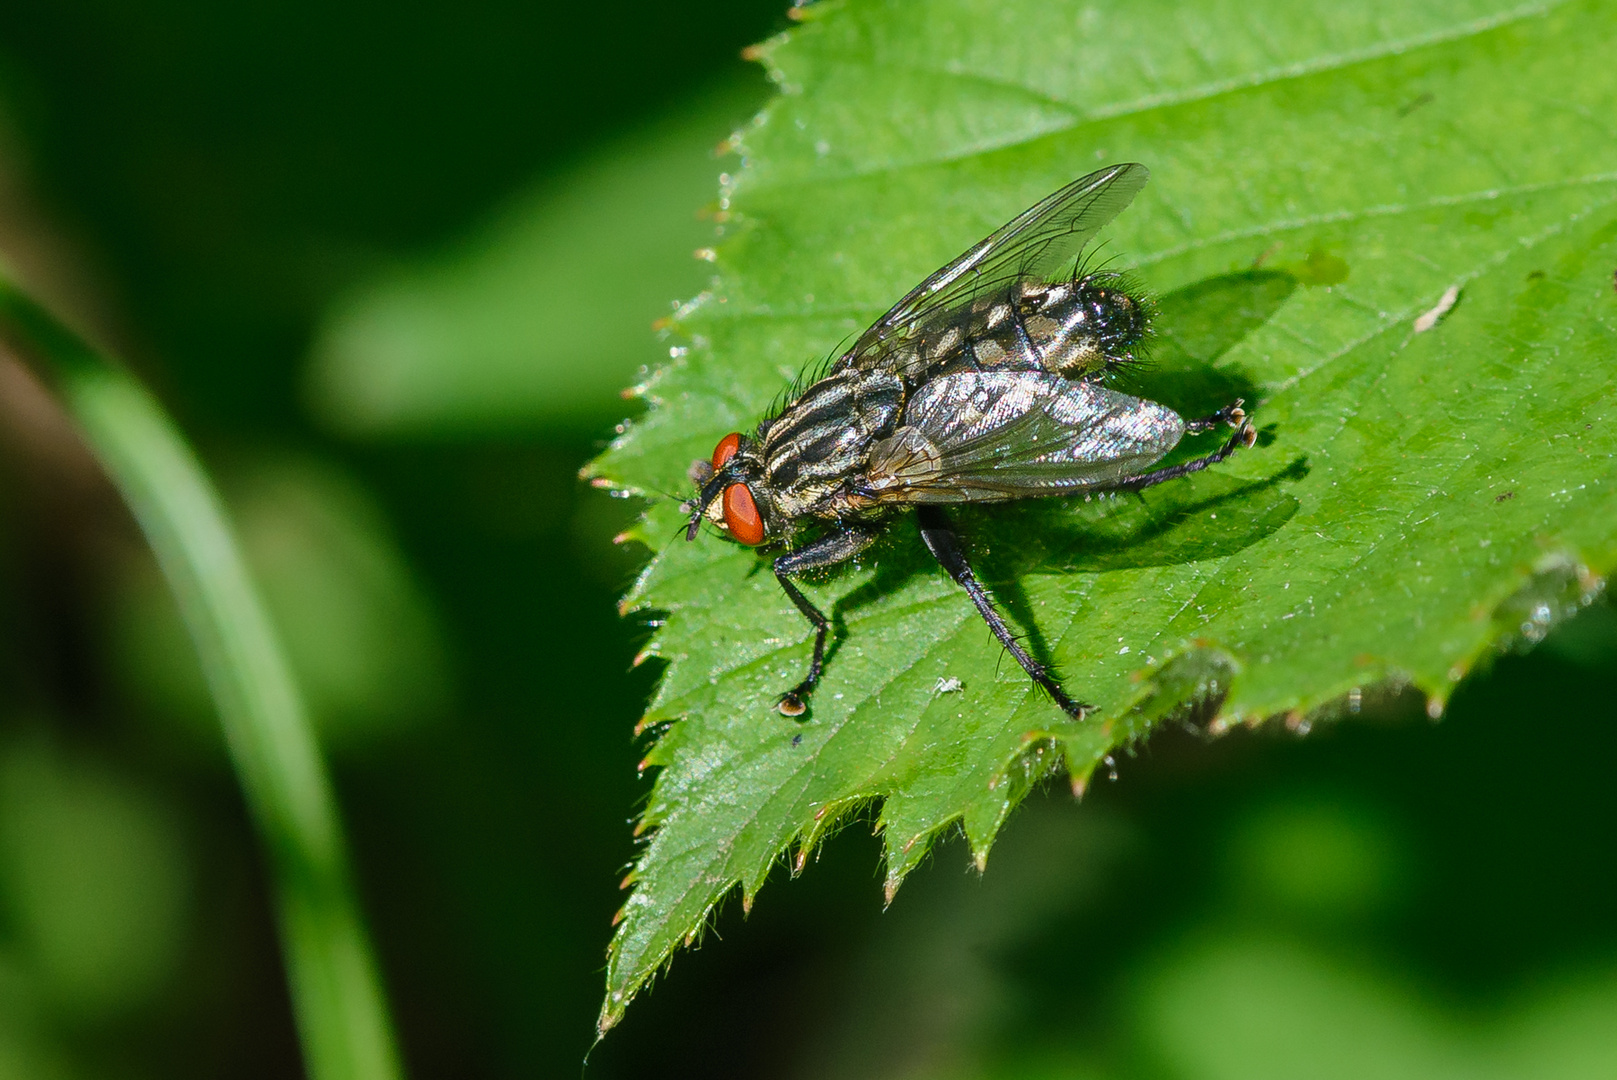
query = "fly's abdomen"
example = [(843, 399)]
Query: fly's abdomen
[(1074, 329)]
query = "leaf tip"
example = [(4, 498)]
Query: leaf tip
[(611, 1013)]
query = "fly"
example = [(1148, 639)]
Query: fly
[(986, 383)]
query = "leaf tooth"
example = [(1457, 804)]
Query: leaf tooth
[(611, 1013)]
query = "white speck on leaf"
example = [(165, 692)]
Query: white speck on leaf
[(1445, 304)]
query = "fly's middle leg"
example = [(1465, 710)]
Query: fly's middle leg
[(826, 551), (944, 544)]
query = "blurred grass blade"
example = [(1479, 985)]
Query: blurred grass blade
[(336, 992)]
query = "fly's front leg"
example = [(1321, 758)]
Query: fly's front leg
[(826, 551), (944, 544)]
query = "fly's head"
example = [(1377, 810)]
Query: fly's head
[(732, 494), (1116, 314)]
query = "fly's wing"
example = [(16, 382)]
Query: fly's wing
[(994, 435), (1036, 245)]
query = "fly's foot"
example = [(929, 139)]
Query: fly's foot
[(1074, 709), (1231, 414), (794, 702), (1249, 436)]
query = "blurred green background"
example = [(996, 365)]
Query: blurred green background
[(390, 269)]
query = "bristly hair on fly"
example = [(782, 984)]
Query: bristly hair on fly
[(1122, 370), (811, 373)]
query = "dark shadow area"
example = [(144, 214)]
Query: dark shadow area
[(1205, 517), (1195, 326)]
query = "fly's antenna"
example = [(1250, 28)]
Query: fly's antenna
[(661, 493), (710, 491)]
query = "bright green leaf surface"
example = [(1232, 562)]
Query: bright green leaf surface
[(1321, 176)]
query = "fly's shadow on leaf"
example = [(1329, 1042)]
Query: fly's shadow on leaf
[(1182, 521), (1194, 327)]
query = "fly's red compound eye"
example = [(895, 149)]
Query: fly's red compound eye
[(741, 515), (726, 449)]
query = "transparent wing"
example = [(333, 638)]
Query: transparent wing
[(1036, 245), (988, 436)]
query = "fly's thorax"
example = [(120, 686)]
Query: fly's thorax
[(822, 440)]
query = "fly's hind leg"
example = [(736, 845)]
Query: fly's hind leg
[(1231, 414), (944, 544), (1245, 435), (826, 551)]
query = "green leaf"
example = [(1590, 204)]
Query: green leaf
[(1322, 175)]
